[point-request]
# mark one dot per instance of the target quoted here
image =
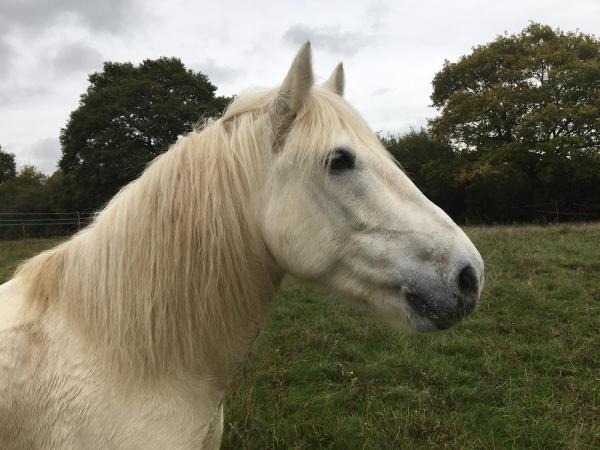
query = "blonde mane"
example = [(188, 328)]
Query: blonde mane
[(174, 267)]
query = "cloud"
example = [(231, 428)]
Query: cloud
[(104, 15), (43, 154), (6, 57), (217, 73), (381, 91), (377, 12), (76, 57), (329, 38), (10, 95)]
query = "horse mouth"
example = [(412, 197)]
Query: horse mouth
[(426, 314), (420, 315)]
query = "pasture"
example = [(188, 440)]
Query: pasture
[(522, 372)]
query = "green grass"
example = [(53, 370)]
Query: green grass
[(522, 372), (12, 253)]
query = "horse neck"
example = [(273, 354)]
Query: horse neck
[(173, 277)]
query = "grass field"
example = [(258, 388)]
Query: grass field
[(522, 372)]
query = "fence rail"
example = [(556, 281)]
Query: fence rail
[(15, 225)]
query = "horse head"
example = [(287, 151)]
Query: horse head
[(338, 210)]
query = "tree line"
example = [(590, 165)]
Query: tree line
[(516, 138)]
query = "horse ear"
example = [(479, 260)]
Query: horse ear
[(336, 81), (297, 83)]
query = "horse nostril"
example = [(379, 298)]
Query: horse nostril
[(468, 282)]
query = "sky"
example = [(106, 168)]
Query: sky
[(391, 50)]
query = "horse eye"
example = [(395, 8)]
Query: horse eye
[(341, 160)]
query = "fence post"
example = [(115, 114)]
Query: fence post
[(78, 221)]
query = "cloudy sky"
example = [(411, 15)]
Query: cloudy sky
[(391, 50)]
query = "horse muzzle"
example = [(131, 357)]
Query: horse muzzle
[(436, 305)]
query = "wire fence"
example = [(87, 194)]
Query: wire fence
[(24, 225), (557, 212), (45, 224)]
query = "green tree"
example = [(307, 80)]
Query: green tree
[(129, 115), (525, 108), (8, 167), (25, 192), (56, 192), (37, 195)]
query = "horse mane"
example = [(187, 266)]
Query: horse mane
[(174, 267)]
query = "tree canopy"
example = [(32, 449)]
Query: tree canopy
[(8, 167), (25, 192), (525, 111), (129, 115)]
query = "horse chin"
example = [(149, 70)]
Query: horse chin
[(408, 313), (421, 323), (397, 312)]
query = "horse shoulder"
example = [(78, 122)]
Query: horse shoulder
[(22, 349)]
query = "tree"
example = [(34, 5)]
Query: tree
[(56, 192), (25, 192), (129, 115), (8, 167), (525, 110), (35, 194)]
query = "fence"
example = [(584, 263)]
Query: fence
[(22, 225), (557, 212)]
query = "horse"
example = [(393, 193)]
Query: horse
[(128, 334)]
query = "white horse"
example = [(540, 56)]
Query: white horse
[(128, 334)]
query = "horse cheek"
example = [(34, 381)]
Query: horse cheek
[(298, 239)]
